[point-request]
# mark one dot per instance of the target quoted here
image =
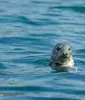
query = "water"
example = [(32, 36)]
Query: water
[(29, 29)]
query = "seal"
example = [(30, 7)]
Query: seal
[(61, 59)]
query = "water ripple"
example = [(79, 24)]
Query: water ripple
[(80, 9), (29, 30)]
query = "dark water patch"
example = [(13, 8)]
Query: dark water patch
[(80, 61), (23, 41), (7, 74), (81, 56), (43, 89), (71, 23), (70, 76), (25, 20), (26, 88), (2, 10), (4, 1), (27, 53), (45, 35), (2, 66), (18, 19), (15, 40), (80, 51), (32, 59), (44, 2), (46, 21), (80, 9), (21, 60), (39, 62), (52, 15)]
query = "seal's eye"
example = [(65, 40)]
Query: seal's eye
[(58, 48), (69, 49)]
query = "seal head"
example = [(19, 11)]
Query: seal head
[(61, 59)]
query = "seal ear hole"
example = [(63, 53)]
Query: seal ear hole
[(58, 48)]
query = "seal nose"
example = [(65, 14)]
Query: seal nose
[(65, 54)]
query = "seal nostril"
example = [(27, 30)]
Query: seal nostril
[(65, 54)]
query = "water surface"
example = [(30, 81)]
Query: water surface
[(29, 29)]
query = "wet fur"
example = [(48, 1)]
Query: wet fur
[(56, 65)]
